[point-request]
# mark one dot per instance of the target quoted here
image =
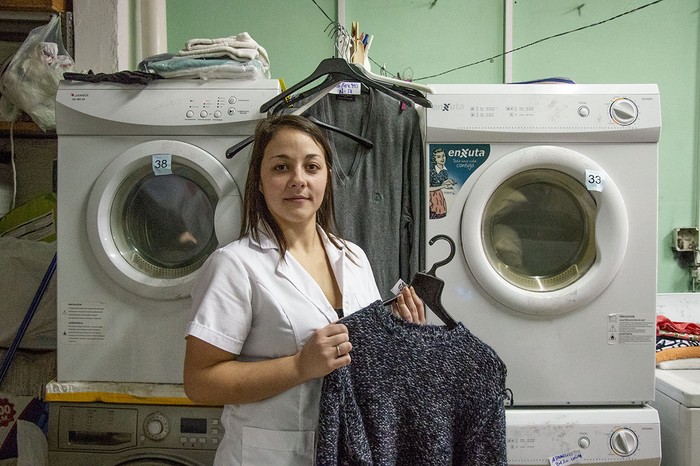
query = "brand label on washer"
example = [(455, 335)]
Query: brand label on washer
[(630, 329), (83, 322)]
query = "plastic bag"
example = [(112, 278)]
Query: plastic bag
[(30, 80)]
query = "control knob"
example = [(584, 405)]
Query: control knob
[(156, 426), (624, 441), (623, 111)]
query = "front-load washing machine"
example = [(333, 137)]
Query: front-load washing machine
[(547, 193), (120, 434), (145, 194)]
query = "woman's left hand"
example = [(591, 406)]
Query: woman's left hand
[(409, 306)]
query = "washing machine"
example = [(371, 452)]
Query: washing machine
[(106, 434), (547, 196), (678, 403), (145, 194)]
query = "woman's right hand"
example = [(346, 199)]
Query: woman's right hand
[(326, 350)]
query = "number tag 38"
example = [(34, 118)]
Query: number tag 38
[(161, 164)]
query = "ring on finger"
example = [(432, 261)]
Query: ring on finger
[(337, 350)]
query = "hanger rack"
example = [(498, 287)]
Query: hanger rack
[(337, 70), (429, 288)]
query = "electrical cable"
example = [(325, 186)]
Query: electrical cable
[(13, 165), (500, 55), (542, 40)]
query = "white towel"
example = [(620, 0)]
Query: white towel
[(241, 47)]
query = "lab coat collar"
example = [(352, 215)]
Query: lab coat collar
[(291, 270)]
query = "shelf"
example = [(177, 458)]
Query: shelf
[(24, 129), (57, 6)]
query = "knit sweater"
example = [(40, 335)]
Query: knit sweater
[(413, 395)]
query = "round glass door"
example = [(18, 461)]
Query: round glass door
[(151, 230), (539, 230), (539, 238), (164, 225)]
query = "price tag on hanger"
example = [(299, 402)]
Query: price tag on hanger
[(347, 88), (162, 164)]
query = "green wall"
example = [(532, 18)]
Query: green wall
[(419, 38)]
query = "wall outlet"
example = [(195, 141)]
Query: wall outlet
[(685, 239)]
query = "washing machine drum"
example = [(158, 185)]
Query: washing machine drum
[(165, 223), (152, 222), (539, 230)]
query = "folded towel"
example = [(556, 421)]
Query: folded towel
[(679, 364), (241, 47), (678, 353)]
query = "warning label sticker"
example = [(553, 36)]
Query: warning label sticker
[(83, 322), (630, 329)]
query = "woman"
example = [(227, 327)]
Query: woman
[(265, 332), (439, 181)]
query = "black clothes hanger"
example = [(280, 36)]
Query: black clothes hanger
[(233, 150), (413, 94), (337, 70), (429, 288), (357, 138)]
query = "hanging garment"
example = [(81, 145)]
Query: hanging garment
[(413, 394), (382, 185)]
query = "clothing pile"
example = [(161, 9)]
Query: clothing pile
[(233, 57), (677, 344)]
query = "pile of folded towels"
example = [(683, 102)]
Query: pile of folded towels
[(233, 57)]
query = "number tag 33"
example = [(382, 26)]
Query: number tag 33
[(595, 180)]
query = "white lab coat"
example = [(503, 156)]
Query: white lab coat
[(250, 303)]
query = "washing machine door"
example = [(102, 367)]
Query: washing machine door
[(544, 230), (155, 214)]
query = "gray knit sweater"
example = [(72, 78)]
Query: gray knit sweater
[(413, 395)]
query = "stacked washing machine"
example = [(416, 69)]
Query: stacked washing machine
[(145, 194), (548, 193)]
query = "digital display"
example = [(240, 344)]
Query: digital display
[(190, 425)]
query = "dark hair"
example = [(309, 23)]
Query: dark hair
[(255, 209)]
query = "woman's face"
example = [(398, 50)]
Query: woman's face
[(293, 177), (439, 158)]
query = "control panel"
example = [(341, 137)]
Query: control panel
[(164, 103), (119, 427), (582, 435), (559, 112)]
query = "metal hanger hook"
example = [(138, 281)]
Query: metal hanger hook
[(435, 266)]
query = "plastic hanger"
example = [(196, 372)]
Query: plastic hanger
[(233, 150), (399, 82), (429, 288), (337, 70), (236, 148), (405, 88)]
